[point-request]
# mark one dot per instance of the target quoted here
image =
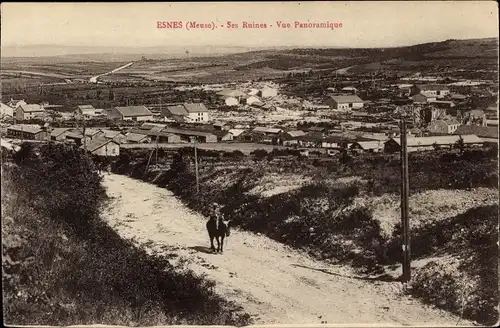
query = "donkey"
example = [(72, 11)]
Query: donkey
[(218, 229)]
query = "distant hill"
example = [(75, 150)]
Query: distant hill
[(480, 53)]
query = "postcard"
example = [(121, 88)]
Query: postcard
[(250, 163)]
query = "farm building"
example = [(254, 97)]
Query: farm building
[(268, 92), (443, 126), (231, 97), (236, 132), (16, 103), (367, 146), (85, 111), (59, 134), (6, 111), (223, 135), (422, 99), (77, 137), (26, 112), (431, 90), (117, 136), (137, 138), (296, 133), (267, 131), (487, 133), (130, 113), (103, 147), (221, 126), (429, 143), (27, 132), (197, 112), (162, 136), (345, 102), (193, 112), (187, 135)]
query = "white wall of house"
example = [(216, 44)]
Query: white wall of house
[(198, 117), (109, 149), (138, 118), (231, 101), (345, 106), (435, 93)]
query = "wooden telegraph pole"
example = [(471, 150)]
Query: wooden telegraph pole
[(405, 191), (196, 166)]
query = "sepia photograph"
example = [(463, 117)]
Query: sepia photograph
[(239, 164)]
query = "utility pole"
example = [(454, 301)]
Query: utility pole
[(157, 138), (405, 191), (196, 166)]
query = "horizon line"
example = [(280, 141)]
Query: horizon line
[(238, 46)]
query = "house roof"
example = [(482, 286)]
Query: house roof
[(58, 131), (187, 132), (480, 131), (97, 143), (135, 137), (264, 129), (367, 145), (296, 133), (31, 108), (371, 136), (74, 134), (86, 108), (346, 99), (177, 110), (111, 133), (91, 131), (439, 140), (195, 108), (134, 111), (236, 132), (25, 128)]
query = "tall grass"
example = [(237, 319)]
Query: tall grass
[(63, 265)]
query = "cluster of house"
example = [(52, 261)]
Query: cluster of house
[(253, 97)]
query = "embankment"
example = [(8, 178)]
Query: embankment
[(62, 265)]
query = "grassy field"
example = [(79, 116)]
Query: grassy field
[(450, 57)]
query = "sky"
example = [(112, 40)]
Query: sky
[(364, 24)]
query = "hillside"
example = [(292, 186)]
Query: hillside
[(478, 57)]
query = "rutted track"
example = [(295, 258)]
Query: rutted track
[(272, 282)]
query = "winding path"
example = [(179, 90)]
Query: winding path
[(272, 282)]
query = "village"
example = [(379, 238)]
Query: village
[(439, 115)]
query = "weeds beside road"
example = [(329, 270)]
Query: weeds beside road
[(63, 265)]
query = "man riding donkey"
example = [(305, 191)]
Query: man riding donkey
[(218, 228)]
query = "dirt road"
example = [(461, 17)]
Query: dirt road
[(272, 282)]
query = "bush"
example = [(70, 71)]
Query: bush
[(259, 154), (63, 265)]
